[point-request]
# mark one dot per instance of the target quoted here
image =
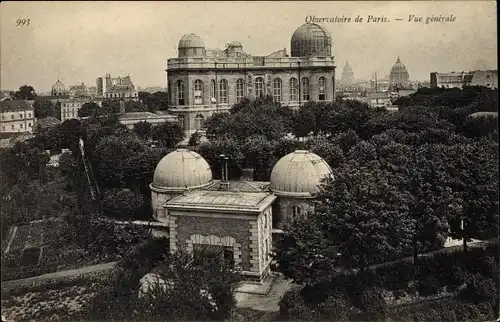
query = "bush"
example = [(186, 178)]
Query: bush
[(455, 278), (479, 289), (429, 285), (292, 306), (373, 305), (334, 308), (489, 267), (448, 315)]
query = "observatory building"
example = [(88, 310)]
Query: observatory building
[(235, 218)]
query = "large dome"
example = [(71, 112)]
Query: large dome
[(311, 39), (399, 75), (58, 88), (182, 169), (299, 174), (398, 67)]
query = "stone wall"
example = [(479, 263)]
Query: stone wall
[(285, 206), (239, 229)]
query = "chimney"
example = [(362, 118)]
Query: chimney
[(247, 174), (224, 184)]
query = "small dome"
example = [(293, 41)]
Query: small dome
[(58, 87), (311, 39), (182, 169), (191, 41), (235, 44), (299, 174)]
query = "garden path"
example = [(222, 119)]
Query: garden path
[(67, 273)]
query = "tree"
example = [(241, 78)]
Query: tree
[(122, 204), (157, 101), (44, 109), (329, 151), (94, 110), (360, 219), (25, 92), (134, 106), (473, 173), (143, 130), (212, 150), (259, 154), (168, 134)]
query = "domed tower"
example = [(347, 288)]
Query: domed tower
[(347, 74), (178, 172), (399, 76), (234, 47), (295, 179), (191, 45), (311, 39), (58, 89)]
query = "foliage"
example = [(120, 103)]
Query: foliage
[(122, 204), (94, 110), (25, 92), (143, 130), (157, 101), (194, 139), (203, 287), (168, 134)]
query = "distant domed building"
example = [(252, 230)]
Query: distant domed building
[(399, 77), (235, 219), (58, 89), (202, 81), (347, 74)]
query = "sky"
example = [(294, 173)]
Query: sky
[(80, 41)]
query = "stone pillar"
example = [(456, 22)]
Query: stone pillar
[(173, 233), (254, 247)]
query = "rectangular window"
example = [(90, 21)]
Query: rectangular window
[(29, 115), (29, 124), (21, 126), (20, 116)]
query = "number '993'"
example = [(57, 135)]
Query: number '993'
[(23, 22)]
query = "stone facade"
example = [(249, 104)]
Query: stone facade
[(193, 107), (18, 116), (288, 207), (187, 226)]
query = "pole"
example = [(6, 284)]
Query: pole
[(498, 268), (216, 90)]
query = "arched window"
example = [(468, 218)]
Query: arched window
[(199, 121), (212, 89), (259, 87), (322, 89), (240, 90), (181, 121), (294, 90), (277, 90), (296, 212), (305, 89), (180, 92), (198, 91), (223, 91)]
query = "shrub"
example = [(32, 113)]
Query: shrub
[(479, 289), (292, 306), (432, 315), (448, 315), (373, 305), (455, 278), (334, 308), (489, 267), (429, 285)]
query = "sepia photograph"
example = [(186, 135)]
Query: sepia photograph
[(249, 161)]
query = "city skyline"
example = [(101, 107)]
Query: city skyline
[(78, 42)]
